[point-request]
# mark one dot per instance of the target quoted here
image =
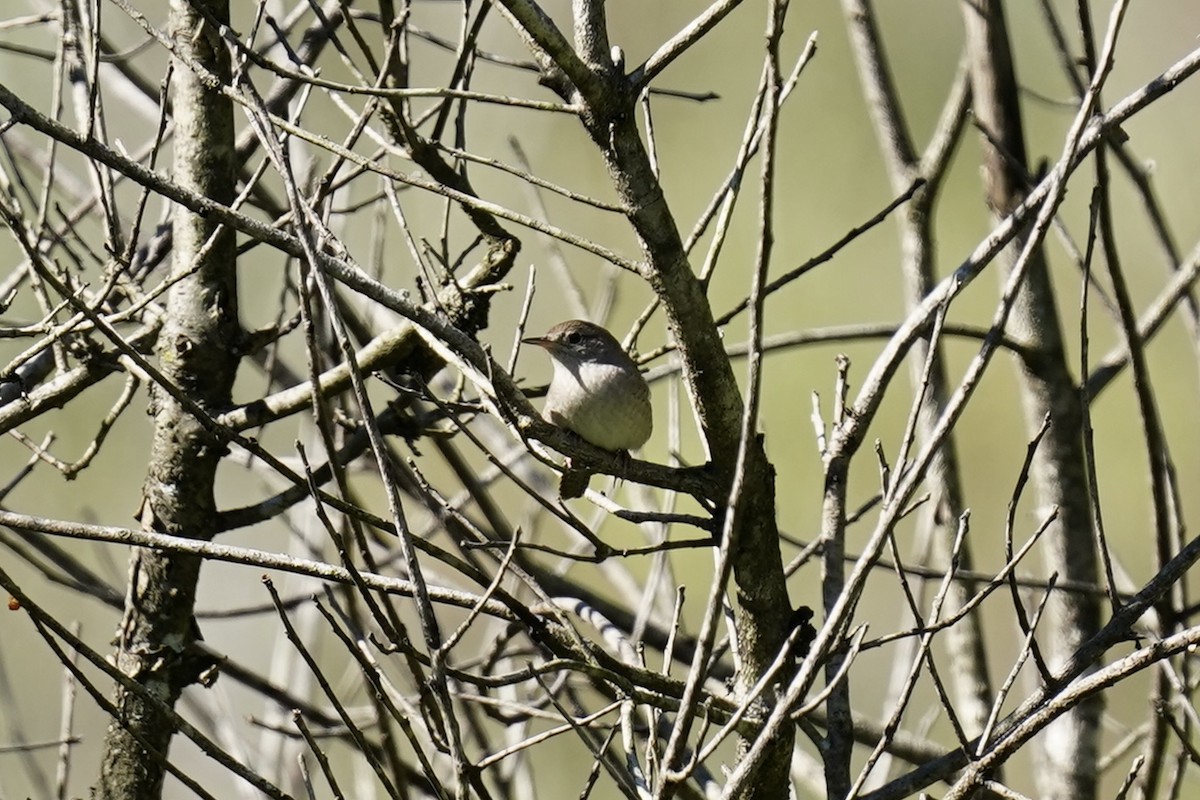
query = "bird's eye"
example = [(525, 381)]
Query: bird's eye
[(574, 337)]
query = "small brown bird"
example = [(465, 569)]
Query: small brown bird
[(597, 390)]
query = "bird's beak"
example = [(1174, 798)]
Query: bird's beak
[(540, 341)]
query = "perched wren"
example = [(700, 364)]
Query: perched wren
[(597, 390)]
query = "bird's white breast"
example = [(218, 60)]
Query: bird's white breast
[(604, 404)]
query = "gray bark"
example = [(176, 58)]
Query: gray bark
[(1069, 748), (198, 355)]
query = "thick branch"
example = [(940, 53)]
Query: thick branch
[(197, 349), (1047, 390)]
